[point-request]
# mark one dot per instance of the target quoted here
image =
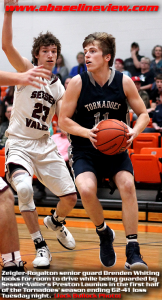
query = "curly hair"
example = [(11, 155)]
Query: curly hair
[(153, 50), (106, 43), (46, 39)]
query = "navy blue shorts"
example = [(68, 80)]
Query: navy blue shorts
[(102, 165)]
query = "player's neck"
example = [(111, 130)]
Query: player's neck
[(101, 77)]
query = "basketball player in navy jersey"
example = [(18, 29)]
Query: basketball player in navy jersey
[(29, 148), (92, 96)]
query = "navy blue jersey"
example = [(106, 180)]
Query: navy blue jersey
[(97, 103)]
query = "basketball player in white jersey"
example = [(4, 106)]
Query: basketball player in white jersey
[(10, 252), (29, 149)]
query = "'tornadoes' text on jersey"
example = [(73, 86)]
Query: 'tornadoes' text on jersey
[(97, 103)]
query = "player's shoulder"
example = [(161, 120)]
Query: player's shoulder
[(75, 84), (127, 79), (76, 80)]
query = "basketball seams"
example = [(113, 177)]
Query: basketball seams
[(112, 129), (111, 140), (111, 137), (113, 121), (116, 150)]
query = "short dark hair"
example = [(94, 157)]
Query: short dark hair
[(158, 76), (80, 53), (153, 50), (106, 43), (134, 44), (46, 39)]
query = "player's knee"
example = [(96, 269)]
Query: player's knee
[(7, 197), (72, 199), (86, 192), (128, 186), (23, 186)]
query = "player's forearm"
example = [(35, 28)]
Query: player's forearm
[(72, 127), (142, 122), (7, 32), (7, 78)]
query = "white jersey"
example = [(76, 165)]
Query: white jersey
[(33, 109), (3, 185)]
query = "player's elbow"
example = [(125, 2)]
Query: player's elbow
[(4, 47)]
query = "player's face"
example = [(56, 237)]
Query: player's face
[(94, 58), (47, 56)]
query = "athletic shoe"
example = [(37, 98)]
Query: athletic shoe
[(19, 271), (43, 256), (18, 278), (134, 258), (63, 235), (107, 254)]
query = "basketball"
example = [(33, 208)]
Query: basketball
[(111, 137)]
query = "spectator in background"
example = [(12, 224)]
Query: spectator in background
[(157, 118), (132, 64), (147, 76), (4, 126), (8, 99), (60, 68), (81, 65), (144, 95), (156, 63), (67, 80), (156, 94), (119, 66)]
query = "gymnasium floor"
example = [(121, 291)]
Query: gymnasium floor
[(85, 257)]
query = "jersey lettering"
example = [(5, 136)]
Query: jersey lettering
[(102, 104), (43, 95), (36, 125)]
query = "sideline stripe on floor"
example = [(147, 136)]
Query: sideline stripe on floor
[(88, 224)]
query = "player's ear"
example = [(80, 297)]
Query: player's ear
[(108, 57)]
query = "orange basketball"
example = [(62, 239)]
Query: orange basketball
[(112, 137)]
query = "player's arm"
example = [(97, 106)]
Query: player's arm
[(68, 108), (31, 77), (17, 61), (138, 106)]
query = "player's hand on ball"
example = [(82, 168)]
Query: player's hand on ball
[(132, 134), (92, 135)]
